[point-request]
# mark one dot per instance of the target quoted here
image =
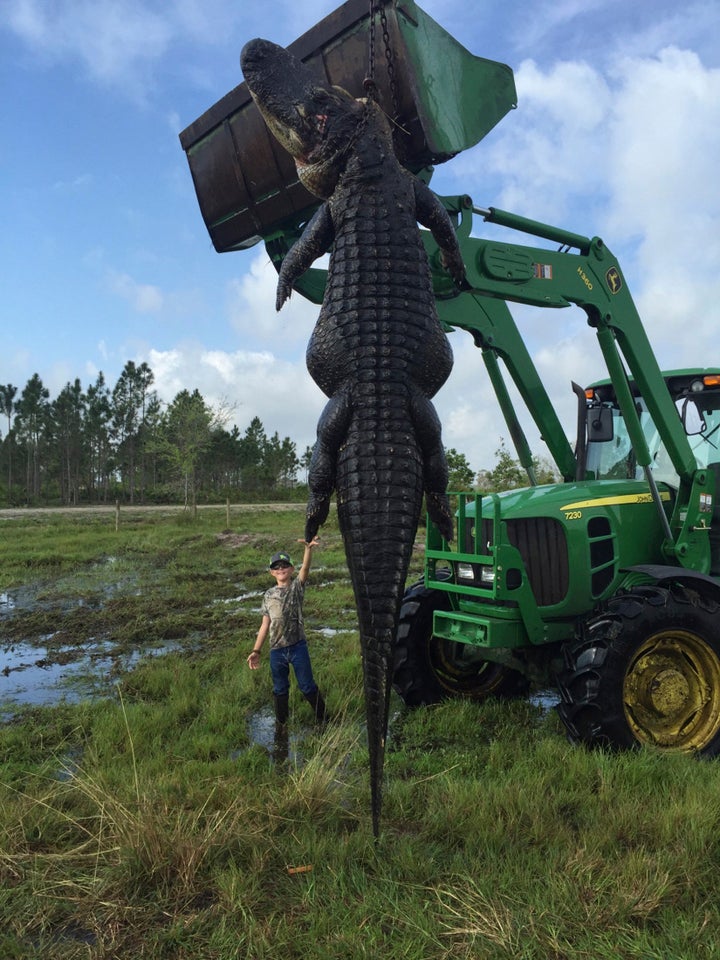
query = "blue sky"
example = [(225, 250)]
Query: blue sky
[(104, 257)]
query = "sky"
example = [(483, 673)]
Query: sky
[(104, 256)]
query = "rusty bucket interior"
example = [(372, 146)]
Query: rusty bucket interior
[(446, 99)]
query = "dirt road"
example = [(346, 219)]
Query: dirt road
[(10, 513)]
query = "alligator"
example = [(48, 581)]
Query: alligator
[(378, 350)]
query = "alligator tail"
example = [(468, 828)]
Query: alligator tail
[(379, 449), (378, 510), (369, 452)]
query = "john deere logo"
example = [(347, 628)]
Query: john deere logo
[(612, 278)]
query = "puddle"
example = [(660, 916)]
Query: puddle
[(17, 599), (261, 728), (34, 675), (37, 676), (252, 595), (40, 671), (280, 743), (283, 744), (545, 699)]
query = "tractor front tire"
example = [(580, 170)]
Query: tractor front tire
[(646, 672), (429, 669)]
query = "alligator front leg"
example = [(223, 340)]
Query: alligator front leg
[(315, 240), (433, 215)]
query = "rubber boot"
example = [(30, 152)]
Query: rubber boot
[(281, 740), (281, 744), (282, 708), (318, 704)]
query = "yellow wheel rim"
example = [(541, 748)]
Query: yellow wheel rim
[(460, 670), (671, 692)]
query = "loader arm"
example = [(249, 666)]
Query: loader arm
[(583, 272)]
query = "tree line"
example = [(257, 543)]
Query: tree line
[(102, 444)]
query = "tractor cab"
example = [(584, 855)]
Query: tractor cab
[(610, 455)]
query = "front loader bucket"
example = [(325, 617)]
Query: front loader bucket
[(448, 100)]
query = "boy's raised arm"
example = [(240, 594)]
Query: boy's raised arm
[(307, 558)]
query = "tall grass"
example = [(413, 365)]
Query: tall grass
[(149, 823)]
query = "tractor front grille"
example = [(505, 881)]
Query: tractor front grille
[(542, 545)]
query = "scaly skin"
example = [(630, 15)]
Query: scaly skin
[(377, 350)]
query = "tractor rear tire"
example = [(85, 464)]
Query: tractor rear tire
[(429, 669), (646, 672)]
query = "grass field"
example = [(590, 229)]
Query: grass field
[(152, 820)]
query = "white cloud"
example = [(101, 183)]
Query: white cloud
[(549, 150), (629, 155), (271, 382), (110, 37), (694, 24), (251, 308), (122, 43), (665, 138), (143, 297), (251, 384), (665, 134)]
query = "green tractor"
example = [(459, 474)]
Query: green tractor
[(605, 585)]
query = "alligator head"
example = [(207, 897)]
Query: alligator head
[(313, 121)]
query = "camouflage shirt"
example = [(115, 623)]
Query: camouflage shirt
[(284, 607)]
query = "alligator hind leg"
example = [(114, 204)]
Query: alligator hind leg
[(321, 481), (435, 471), (331, 430)]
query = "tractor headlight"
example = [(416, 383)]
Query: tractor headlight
[(474, 573), (487, 575)]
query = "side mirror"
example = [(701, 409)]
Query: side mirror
[(600, 424), (691, 418)]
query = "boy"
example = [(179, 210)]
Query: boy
[(282, 622)]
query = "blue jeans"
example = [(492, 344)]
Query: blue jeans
[(297, 655)]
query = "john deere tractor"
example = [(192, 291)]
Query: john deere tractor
[(605, 585)]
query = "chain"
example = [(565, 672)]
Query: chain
[(377, 7), (389, 62), (369, 85), (369, 82)]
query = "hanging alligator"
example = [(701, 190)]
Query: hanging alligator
[(377, 351)]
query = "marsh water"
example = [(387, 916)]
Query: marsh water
[(43, 671), (57, 642), (49, 652)]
